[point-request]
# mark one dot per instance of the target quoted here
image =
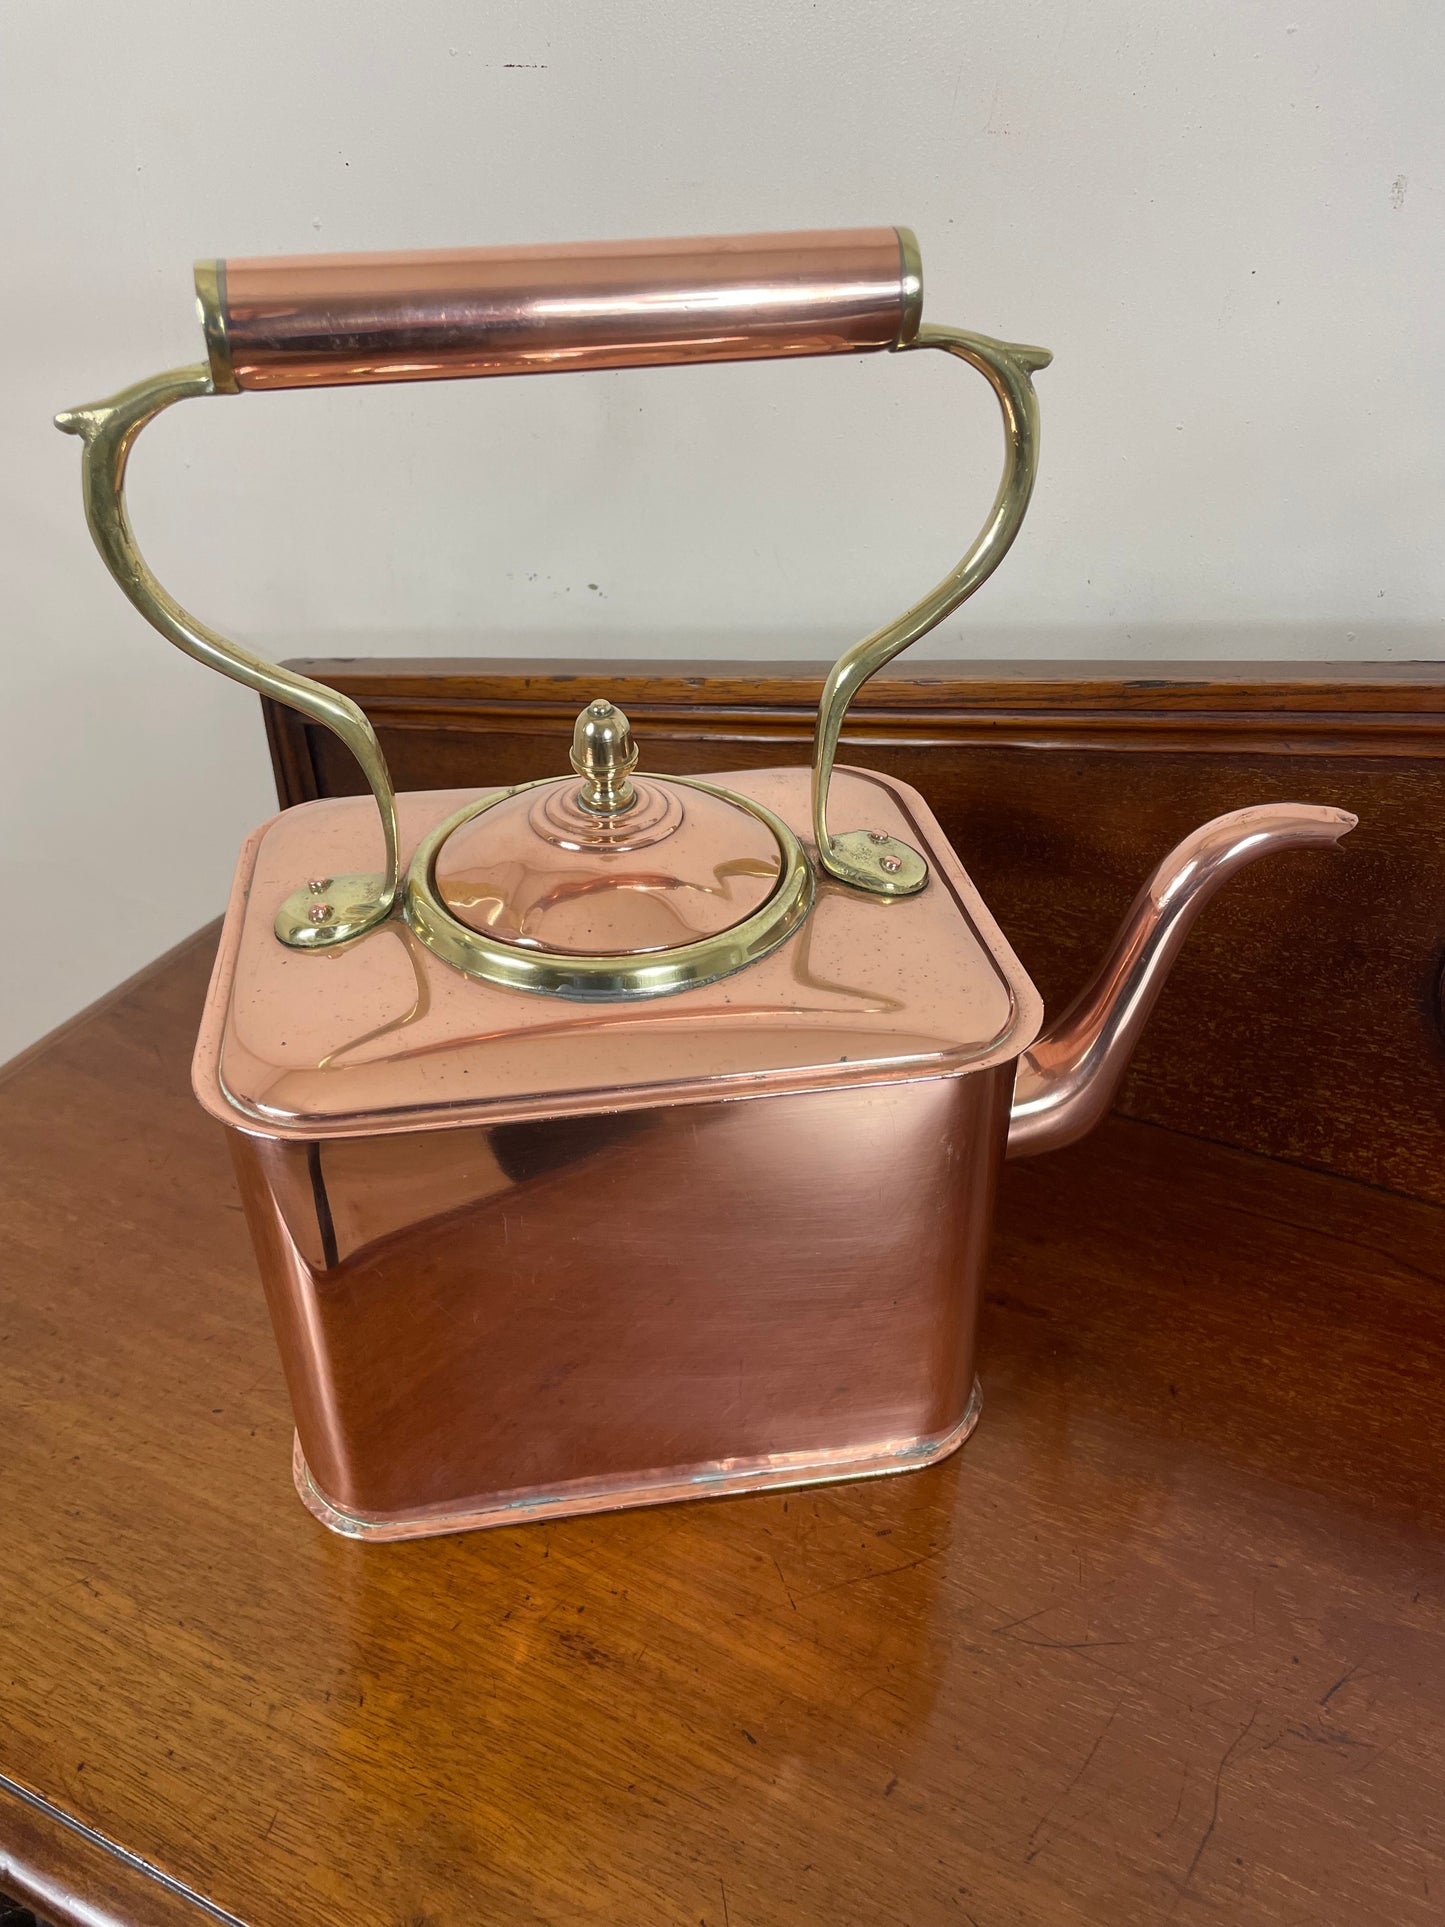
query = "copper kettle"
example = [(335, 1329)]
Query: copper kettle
[(617, 1138)]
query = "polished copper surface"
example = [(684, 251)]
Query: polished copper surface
[(610, 1283), (1067, 1081), (381, 1035), (785, 1291), (540, 869), (324, 320)]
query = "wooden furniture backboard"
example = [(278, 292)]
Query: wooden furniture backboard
[(1304, 1018)]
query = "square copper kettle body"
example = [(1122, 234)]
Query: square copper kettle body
[(528, 1257)]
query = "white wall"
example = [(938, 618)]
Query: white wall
[(1224, 218)]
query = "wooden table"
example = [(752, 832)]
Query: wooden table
[(1163, 1644)]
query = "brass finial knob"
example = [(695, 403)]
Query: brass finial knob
[(604, 756)]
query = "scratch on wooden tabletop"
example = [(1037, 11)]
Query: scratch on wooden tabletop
[(1387, 1258), (1204, 1839), (1053, 1645), (878, 1686), (887, 1572), (1323, 1735), (1343, 1680), (1072, 1645), (784, 1584), (1026, 1620), (1178, 1805), (1036, 1845)]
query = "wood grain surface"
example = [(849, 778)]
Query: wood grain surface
[(1163, 1645), (1061, 785)]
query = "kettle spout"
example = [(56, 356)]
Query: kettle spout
[(1066, 1083)]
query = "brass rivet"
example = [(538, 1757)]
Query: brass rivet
[(890, 863), (320, 913), (318, 884), (877, 836)]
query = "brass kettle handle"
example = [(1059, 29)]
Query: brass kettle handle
[(331, 320)]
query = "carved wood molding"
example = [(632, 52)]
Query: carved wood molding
[(1275, 708)]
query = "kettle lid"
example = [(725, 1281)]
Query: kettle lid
[(607, 883), (612, 866)]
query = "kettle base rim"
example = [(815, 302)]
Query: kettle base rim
[(718, 1479)]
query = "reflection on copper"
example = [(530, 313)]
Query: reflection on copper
[(807, 978), (453, 1363), (324, 320), (513, 907), (662, 873), (801, 964), (1068, 1080), (558, 817), (420, 1006)]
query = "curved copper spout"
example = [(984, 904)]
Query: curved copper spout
[(1067, 1082)]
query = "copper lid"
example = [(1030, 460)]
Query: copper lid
[(607, 866), (599, 886)]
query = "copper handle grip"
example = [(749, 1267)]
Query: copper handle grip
[(315, 321)]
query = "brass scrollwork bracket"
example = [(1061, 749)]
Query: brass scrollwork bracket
[(884, 864), (348, 905)]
